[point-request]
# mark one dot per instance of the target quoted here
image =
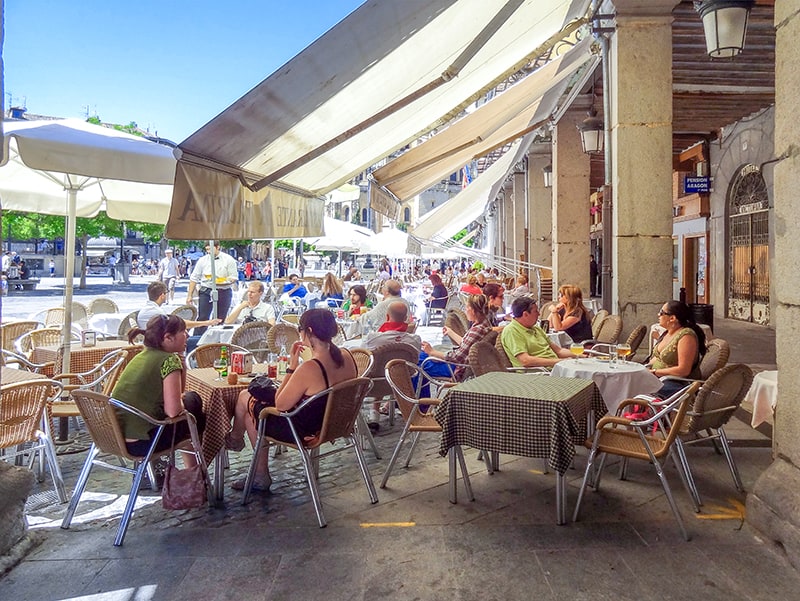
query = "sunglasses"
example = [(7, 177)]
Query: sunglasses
[(662, 312)]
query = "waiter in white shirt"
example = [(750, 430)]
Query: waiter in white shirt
[(226, 276)]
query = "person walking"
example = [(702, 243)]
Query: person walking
[(52, 268), (593, 272), (168, 272)]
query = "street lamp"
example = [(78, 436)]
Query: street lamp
[(547, 171), (725, 25), (592, 135)]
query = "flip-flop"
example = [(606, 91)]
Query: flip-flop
[(256, 487)]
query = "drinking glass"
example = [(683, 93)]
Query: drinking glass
[(221, 367), (576, 348), (623, 350)]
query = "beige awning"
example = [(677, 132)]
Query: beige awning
[(515, 112), (448, 219), (386, 74)]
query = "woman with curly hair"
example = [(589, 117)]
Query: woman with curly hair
[(570, 316)]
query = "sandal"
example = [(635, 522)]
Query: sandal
[(233, 445), (257, 486)]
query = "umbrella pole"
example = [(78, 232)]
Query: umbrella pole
[(69, 271), (214, 293)]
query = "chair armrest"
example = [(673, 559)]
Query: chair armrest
[(529, 370), (182, 416)]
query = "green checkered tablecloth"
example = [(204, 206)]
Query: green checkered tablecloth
[(520, 414)]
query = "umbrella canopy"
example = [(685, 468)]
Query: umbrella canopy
[(391, 242), (73, 168), (342, 236)]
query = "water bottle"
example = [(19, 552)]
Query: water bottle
[(283, 361), (223, 362)]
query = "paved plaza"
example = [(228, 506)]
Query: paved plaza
[(413, 544)]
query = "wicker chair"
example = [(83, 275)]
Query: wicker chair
[(205, 354), (484, 357), (127, 324), (253, 337), (635, 338), (102, 305), (342, 408), (282, 335), (41, 337), (20, 424), (609, 330), (80, 314), (455, 323), (632, 439), (597, 321), (187, 312), (10, 331), (399, 375), (54, 317), (99, 412)]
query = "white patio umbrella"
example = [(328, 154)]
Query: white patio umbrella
[(73, 168), (391, 242), (342, 236)]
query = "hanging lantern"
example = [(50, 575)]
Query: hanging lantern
[(548, 176), (592, 135), (725, 25)]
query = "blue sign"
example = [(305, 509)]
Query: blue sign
[(697, 185)]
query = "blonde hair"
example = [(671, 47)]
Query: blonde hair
[(479, 305), (574, 297)]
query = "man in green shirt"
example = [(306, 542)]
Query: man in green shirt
[(525, 343)]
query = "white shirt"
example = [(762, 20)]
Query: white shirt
[(261, 312), (224, 267), (150, 309), (168, 267)]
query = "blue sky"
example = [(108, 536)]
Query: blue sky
[(169, 65)]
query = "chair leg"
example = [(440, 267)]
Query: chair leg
[(413, 446), (362, 464), (251, 471), (55, 471), (726, 449), (486, 457), (584, 482), (313, 487), (362, 432), (80, 485), (127, 514), (670, 499), (395, 455), (682, 464)]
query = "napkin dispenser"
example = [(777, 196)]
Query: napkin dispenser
[(241, 362)]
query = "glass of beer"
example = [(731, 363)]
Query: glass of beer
[(623, 350), (576, 348)]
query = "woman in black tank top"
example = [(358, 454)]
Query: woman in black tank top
[(327, 367)]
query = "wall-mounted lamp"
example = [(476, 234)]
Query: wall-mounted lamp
[(547, 171), (592, 137), (725, 25)]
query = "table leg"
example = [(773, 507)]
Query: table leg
[(451, 458), (561, 498), (219, 475), (63, 429)]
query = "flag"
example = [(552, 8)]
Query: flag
[(466, 178)]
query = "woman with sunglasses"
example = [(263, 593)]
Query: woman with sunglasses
[(154, 382), (679, 349), (328, 366)]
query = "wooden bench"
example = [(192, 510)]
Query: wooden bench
[(29, 284)]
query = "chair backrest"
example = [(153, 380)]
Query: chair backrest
[(253, 337), (636, 337), (484, 357), (597, 321), (381, 356), (187, 312), (101, 421), (205, 354), (102, 305), (399, 374), (282, 334), (364, 361), (719, 397), (127, 324), (101, 378), (717, 353), (291, 318), (502, 355), (345, 400), (412, 328), (677, 418), (54, 317), (44, 337), (461, 316), (609, 330), (22, 408), (546, 309), (80, 314), (455, 323), (10, 331)]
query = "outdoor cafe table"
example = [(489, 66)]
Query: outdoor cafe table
[(107, 323), (221, 334), (763, 394), (615, 382), (82, 358), (219, 404), (521, 414)]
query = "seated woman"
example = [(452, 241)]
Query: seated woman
[(153, 382), (570, 316), (358, 299), (471, 287), (495, 294), (328, 366), (679, 349), (438, 297), (477, 310), (522, 286), (331, 291)]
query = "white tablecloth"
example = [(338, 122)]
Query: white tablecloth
[(763, 394), (562, 339), (616, 383), (108, 323), (221, 334)]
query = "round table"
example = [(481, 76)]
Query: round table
[(108, 323), (616, 382), (763, 394), (562, 339), (222, 334)]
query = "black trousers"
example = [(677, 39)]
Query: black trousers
[(224, 297)]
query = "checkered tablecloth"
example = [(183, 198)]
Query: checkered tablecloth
[(520, 414), (81, 358), (219, 404)]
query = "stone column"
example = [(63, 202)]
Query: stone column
[(506, 241), (772, 505), (520, 194), (640, 91), (570, 213), (540, 211)]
